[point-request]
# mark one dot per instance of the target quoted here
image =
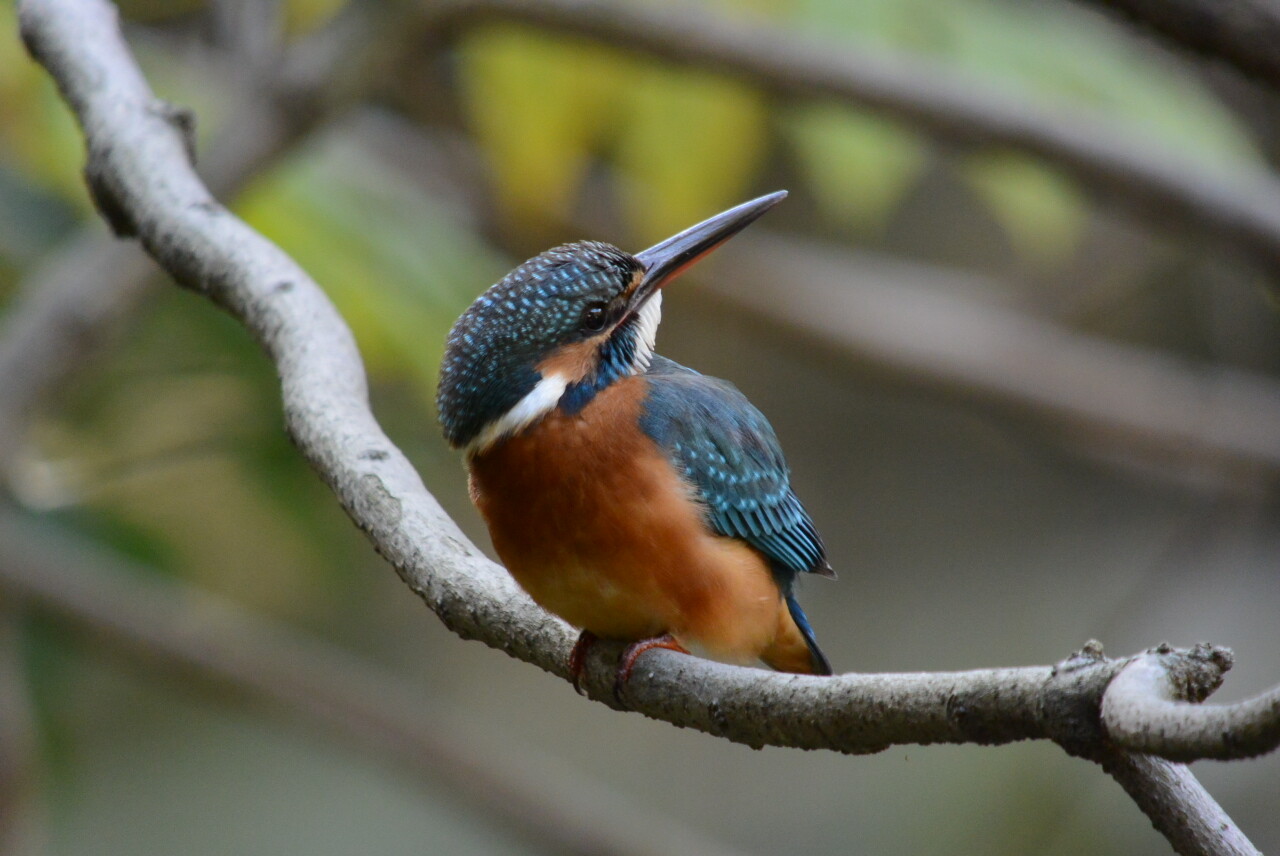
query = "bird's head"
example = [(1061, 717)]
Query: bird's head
[(562, 326)]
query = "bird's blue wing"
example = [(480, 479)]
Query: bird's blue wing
[(726, 449)]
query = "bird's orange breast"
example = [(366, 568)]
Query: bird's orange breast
[(593, 521)]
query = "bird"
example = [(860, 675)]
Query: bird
[(637, 499)]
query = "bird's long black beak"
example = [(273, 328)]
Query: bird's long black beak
[(664, 261)]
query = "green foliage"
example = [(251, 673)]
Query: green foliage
[(857, 165), (683, 143), (544, 108), (398, 268), (1041, 211)]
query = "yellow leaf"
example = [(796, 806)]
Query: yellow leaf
[(690, 145), (1041, 210)]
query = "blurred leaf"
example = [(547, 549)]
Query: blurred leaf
[(1050, 52), (301, 16), (538, 105), (1041, 210), (37, 133), (690, 145), (857, 165), (399, 269)]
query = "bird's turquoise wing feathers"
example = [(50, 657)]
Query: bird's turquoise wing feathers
[(726, 449)]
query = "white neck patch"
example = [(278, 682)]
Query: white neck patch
[(544, 397), (647, 332), (539, 401)]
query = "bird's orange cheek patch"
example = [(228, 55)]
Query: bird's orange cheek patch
[(572, 362)]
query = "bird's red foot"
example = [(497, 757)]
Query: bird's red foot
[(578, 658), (632, 653)]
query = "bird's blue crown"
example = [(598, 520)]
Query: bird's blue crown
[(494, 348)]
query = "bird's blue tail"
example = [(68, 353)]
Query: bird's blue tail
[(821, 666)]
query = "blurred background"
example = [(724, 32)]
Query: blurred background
[(1027, 406)]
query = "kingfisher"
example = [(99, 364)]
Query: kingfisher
[(635, 498)]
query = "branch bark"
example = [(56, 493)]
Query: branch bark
[(1147, 709), (141, 176), (1241, 33), (1242, 211)]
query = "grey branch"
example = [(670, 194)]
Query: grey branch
[(141, 174), (1243, 212), (134, 608), (1148, 709), (1200, 826), (1241, 33), (1197, 420)]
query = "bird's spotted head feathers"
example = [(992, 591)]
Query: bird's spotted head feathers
[(563, 326), (563, 319)]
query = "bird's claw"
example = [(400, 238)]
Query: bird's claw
[(632, 653)]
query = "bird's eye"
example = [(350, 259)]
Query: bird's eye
[(593, 318)]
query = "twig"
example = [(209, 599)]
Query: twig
[(181, 625), (139, 171), (1241, 33), (1146, 710), (1241, 210)]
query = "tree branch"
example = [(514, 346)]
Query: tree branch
[(1146, 709), (1242, 33), (140, 173), (1199, 420), (1198, 826), (1242, 211)]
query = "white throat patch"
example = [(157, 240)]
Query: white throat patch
[(544, 397), (647, 332), (539, 401)]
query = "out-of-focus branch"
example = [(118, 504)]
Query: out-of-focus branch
[(1243, 212), (1242, 33), (181, 625), (1211, 422), (139, 171), (1146, 709), (925, 325), (69, 303)]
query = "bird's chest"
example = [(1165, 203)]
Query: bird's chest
[(586, 513)]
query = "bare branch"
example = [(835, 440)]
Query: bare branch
[(1156, 784), (140, 172), (1197, 420), (1242, 33), (1243, 211), (1150, 708)]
